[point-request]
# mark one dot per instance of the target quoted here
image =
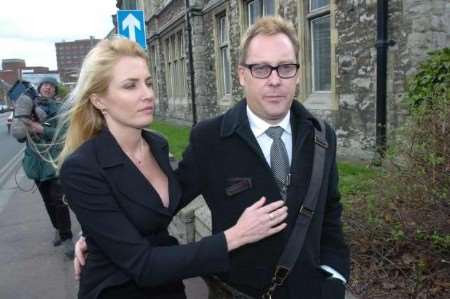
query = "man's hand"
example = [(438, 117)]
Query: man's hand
[(36, 128), (33, 126), (80, 256)]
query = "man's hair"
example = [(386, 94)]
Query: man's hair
[(268, 26), (83, 119)]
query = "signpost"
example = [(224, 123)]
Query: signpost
[(131, 25)]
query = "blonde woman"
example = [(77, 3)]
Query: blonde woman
[(118, 181)]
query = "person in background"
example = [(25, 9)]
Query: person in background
[(35, 122), (117, 179)]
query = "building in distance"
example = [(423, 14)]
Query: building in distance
[(11, 70), (70, 56)]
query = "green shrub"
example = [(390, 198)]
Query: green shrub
[(427, 148)]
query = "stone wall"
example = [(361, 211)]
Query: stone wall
[(204, 61), (356, 78), (409, 26)]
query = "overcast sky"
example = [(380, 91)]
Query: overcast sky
[(30, 28)]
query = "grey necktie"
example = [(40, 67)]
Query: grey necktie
[(279, 161)]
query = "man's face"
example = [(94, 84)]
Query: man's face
[(269, 98), (47, 90)]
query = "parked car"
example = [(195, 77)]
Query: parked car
[(4, 108), (9, 122)]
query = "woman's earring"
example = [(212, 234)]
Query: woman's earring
[(103, 111)]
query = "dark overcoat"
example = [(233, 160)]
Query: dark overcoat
[(225, 164)]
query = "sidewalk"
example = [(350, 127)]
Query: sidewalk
[(30, 266)]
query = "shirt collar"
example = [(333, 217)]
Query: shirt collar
[(259, 126)]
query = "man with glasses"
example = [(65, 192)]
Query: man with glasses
[(264, 146)]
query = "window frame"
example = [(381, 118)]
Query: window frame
[(168, 67), (320, 100), (313, 68), (261, 10), (174, 64), (153, 53), (310, 9), (222, 49)]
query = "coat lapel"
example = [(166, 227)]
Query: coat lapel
[(160, 151), (236, 121), (124, 178), (302, 122), (302, 154)]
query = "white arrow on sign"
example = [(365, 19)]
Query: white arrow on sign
[(131, 22)]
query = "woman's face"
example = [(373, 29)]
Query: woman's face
[(129, 100)]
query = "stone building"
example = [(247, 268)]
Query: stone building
[(338, 57)]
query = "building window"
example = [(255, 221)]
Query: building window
[(130, 4), (321, 53), (319, 24), (257, 8), (223, 57), (153, 69), (173, 62), (168, 64), (316, 4), (182, 64), (175, 65)]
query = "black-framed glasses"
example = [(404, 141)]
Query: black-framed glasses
[(263, 71)]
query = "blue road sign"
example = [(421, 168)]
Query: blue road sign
[(131, 24)]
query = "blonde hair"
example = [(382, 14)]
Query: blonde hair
[(83, 120), (268, 26)]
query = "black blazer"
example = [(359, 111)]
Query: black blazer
[(225, 163), (125, 223)]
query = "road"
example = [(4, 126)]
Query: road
[(9, 147)]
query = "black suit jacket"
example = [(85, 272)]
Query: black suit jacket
[(125, 223), (225, 163)]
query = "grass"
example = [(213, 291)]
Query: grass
[(354, 177), (178, 136)]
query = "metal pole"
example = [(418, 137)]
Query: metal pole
[(191, 62), (382, 46)]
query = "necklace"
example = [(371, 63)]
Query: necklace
[(134, 158)]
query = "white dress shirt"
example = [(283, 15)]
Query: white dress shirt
[(259, 127)]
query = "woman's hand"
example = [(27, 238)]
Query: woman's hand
[(257, 222), (80, 256)]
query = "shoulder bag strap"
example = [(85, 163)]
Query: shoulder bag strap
[(295, 243)]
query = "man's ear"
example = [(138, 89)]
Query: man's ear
[(97, 102), (241, 75)]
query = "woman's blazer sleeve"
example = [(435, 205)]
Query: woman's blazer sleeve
[(101, 218)]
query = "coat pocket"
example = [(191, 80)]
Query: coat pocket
[(237, 185)]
